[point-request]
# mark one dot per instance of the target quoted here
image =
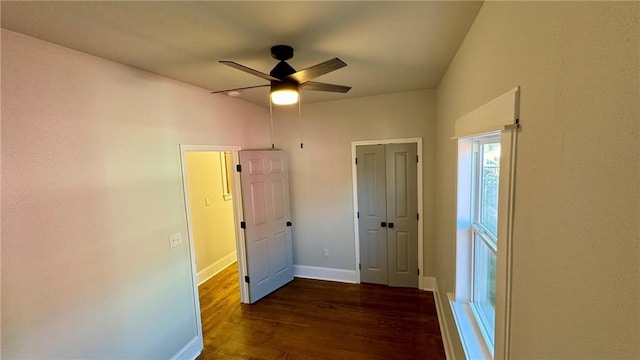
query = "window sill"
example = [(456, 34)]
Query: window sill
[(471, 337)]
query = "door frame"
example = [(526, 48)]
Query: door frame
[(237, 216), (354, 176)]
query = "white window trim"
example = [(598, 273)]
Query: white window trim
[(502, 115)]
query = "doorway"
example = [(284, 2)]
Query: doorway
[(387, 190), (211, 220), (270, 253), (233, 182)]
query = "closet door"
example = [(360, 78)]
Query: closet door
[(372, 209), (402, 212), (388, 210)]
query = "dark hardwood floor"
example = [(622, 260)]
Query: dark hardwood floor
[(311, 319)]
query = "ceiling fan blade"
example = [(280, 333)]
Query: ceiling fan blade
[(238, 89), (249, 70), (318, 86), (317, 70)]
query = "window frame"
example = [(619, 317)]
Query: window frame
[(481, 236), (500, 116)]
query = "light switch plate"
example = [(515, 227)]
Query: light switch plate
[(175, 240)]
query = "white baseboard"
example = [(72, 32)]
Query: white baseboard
[(211, 270), (322, 273), (190, 351), (431, 284)]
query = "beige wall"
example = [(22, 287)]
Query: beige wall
[(576, 236), (321, 183), (91, 184), (91, 191), (212, 220)]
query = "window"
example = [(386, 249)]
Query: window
[(485, 184), (487, 139), (225, 164)]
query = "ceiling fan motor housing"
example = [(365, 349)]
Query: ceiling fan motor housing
[(281, 52), (282, 70)]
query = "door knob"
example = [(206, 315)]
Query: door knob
[(383, 224), (390, 225)]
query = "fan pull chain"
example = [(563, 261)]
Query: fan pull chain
[(271, 124), (300, 120)]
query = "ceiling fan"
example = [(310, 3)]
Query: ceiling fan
[(285, 81)]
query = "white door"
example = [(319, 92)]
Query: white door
[(264, 178)]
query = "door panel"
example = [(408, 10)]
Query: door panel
[(275, 165), (279, 253), (402, 252), (372, 209), (399, 166), (265, 187), (277, 192), (402, 211), (258, 197), (372, 167), (261, 264), (256, 166), (373, 260)]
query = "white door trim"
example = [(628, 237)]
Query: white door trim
[(237, 214), (354, 176)]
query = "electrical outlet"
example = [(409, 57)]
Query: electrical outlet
[(175, 240), (325, 252)]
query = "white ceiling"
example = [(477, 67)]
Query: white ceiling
[(389, 46)]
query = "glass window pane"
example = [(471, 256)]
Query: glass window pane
[(484, 285), (489, 175)]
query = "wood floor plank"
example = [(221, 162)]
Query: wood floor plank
[(312, 319)]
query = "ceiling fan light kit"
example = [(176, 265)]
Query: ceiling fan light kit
[(284, 93), (285, 81)]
